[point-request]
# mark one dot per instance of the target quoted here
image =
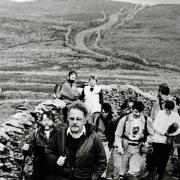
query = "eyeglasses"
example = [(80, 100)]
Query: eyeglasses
[(75, 119)]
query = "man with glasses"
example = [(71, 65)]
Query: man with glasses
[(84, 156)]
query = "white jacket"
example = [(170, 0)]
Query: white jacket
[(92, 99), (162, 123)]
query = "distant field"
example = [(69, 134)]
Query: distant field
[(56, 8), (154, 34), (32, 34)]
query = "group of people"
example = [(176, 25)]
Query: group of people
[(92, 145)]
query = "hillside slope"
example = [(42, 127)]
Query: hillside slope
[(153, 35)]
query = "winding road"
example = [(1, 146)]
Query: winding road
[(129, 13)]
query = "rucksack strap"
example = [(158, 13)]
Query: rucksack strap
[(124, 128), (63, 140), (145, 130)]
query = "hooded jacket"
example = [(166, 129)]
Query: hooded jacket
[(90, 159)]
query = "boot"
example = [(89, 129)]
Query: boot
[(149, 175), (159, 176)]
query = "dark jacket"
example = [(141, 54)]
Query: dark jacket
[(68, 92), (90, 158), (110, 128), (37, 144)]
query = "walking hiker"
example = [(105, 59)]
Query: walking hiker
[(166, 124), (176, 142), (37, 143), (129, 135), (93, 99), (163, 95), (84, 156), (105, 128), (126, 108)]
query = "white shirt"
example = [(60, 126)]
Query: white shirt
[(92, 99), (162, 123), (77, 135)]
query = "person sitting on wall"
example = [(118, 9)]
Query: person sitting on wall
[(68, 91)]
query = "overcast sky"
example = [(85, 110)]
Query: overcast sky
[(149, 2), (152, 2)]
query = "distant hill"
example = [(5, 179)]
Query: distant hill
[(153, 35)]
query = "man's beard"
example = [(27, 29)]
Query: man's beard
[(47, 127), (71, 81)]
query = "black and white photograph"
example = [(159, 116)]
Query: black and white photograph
[(89, 89)]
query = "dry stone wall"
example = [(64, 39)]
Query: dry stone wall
[(12, 135), (15, 129)]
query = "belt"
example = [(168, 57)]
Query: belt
[(136, 141), (133, 144)]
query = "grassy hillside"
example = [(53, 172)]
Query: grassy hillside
[(153, 34), (33, 55), (32, 33)]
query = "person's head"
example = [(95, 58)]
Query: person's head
[(169, 106), (47, 120), (106, 110), (92, 80), (138, 108), (72, 75), (177, 99), (131, 101), (163, 91), (77, 114)]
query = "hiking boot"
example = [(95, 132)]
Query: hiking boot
[(149, 175), (159, 177), (121, 177)]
